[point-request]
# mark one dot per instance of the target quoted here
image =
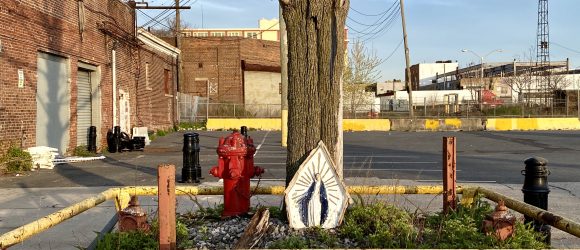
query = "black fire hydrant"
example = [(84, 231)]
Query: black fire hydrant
[(536, 191), (191, 171)]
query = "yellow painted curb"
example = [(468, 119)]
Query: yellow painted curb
[(276, 124)]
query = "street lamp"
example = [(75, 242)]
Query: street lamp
[(481, 58)]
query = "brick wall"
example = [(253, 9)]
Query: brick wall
[(52, 26), (219, 60)]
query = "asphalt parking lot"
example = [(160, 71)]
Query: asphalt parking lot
[(484, 157)]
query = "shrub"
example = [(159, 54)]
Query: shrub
[(161, 133), (16, 160), (128, 240), (82, 151), (379, 226)]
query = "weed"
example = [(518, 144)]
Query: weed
[(379, 226), (161, 132), (128, 240), (276, 212), (192, 125), (291, 242), (15, 160), (82, 151)]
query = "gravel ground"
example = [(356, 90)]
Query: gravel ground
[(225, 233)]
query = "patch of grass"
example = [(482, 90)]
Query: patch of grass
[(291, 242), (276, 212), (15, 160), (379, 226), (136, 240), (161, 132), (193, 125), (462, 229), (82, 151)]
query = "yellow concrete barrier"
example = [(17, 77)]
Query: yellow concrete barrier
[(443, 124), (505, 124), (252, 123), (275, 124), (366, 125)]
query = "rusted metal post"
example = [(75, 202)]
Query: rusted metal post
[(166, 194), (449, 173)]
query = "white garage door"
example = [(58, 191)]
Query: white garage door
[(84, 106)]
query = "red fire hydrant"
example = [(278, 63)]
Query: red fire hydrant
[(236, 167)]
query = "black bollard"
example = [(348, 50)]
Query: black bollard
[(117, 138), (244, 131), (191, 170), (111, 144), (92, 147), (536, 191)]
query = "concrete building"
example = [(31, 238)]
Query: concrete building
[(389, 87), (268, 29), (498, 77), (423, 74), (68, 65)]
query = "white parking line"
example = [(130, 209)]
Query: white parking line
[(262, 142)]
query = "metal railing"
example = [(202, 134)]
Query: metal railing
[(195, 108), (121, 197)]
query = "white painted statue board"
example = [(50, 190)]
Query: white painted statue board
[(316, 196)]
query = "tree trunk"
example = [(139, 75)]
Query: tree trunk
[(316, 50)]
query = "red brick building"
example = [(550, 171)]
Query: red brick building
[(220, 63), (67, 65)]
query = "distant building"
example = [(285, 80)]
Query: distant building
[(424, 74), (389, 87), (268, 29)]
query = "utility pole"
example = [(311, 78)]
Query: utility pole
[(407, 63), (284, 78), (179, 57)]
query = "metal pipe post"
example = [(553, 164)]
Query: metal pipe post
[(166, 194), (536, 191), (191, 167), (449, 174)]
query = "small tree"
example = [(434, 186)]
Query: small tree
[(360, 72)]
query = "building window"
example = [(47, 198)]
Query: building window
[(252, 35), (200, 34), (186, 34), (233, 33), (217, 34), (166, 81)]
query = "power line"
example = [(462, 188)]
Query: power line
[(158, 22), (364, 14), (392, 53), (387, 27), (379, 21), (566, 48), (380, 24)]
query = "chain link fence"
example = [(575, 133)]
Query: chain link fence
[(197, 109)]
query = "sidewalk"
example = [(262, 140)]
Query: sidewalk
[(19, 206)]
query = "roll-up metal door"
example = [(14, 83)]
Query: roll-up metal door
[(84, 106)]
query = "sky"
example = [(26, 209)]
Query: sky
[(437, 29)]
